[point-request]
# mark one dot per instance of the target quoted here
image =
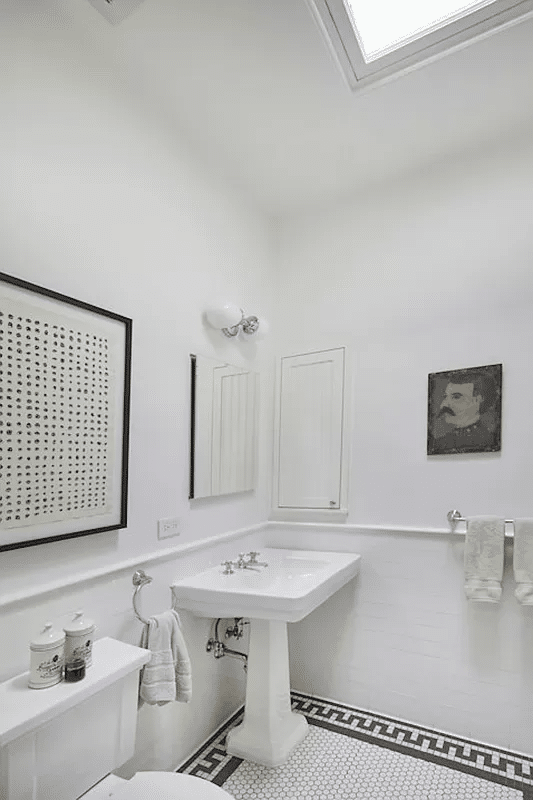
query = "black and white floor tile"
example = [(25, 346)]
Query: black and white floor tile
[(351, 754)]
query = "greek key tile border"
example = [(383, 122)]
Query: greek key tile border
[(212, 762), (490, 763)]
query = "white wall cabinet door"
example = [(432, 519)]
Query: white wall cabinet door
[(310, 433)]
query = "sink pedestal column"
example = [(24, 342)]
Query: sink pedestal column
[(270, 730)]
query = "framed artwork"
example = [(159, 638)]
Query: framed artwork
[(465, 410), (65, 370)]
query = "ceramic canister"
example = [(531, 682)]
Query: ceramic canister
[(79, 641), (47, 658)]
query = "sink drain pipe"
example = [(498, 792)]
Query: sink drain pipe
[(219, 649)]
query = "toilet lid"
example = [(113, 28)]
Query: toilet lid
[(168, 786)]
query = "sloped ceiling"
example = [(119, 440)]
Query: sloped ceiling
[(253, 85)]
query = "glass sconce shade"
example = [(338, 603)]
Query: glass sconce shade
[(224, 316), (231, 320)]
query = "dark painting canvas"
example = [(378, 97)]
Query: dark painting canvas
[(464, 410)]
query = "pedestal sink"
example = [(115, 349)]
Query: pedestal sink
[(293, 584)]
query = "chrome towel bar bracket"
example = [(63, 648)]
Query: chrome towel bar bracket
[(455, 516)]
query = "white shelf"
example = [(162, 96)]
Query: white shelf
[(24, 709)]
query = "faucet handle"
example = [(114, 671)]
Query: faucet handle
[(228, 567), (253, 559)]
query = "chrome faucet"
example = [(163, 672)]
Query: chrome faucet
[(252, 556), (244, 561)]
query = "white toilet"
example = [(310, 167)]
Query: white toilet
[(160, 785), (64, 742)]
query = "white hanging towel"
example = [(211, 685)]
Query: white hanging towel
[(523, 560), (167, 676), (484, 551)]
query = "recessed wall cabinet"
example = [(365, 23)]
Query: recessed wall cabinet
[(310, 452)]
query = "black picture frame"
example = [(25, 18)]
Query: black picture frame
[(192, 430), (464, 410), (65, 388)]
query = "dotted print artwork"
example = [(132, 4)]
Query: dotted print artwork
[(55, 418)]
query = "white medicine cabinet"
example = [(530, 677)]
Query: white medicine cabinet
[(310, 445)]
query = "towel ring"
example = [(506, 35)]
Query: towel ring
[(140, 579)]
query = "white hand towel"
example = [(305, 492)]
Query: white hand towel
[(167, 676), (523, 560), (484, 550)]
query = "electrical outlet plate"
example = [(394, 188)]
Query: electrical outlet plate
[(168, 527)]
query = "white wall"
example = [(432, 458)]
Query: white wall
[(102, 202), (426, 274), (429, 273)]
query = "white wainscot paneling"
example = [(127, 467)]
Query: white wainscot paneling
[(165, 736), (402, 639)]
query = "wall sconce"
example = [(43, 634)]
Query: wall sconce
[(230, 320)]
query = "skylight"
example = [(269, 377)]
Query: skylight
[(376, 39), (384, 25)]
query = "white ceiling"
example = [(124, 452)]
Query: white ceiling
[(251, 84)]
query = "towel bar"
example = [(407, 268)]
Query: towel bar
[(455, 516)]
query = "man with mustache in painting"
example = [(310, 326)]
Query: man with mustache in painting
[(465, 411)]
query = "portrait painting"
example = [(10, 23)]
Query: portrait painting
[(464, 410)]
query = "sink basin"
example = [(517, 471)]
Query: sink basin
[(293, 584)]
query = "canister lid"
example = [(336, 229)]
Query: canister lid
[(79, 625), (48, 638)]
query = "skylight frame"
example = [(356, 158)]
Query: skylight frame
[(334, 20)]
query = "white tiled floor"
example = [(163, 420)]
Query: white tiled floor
[(355, 754), (333, 766)]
